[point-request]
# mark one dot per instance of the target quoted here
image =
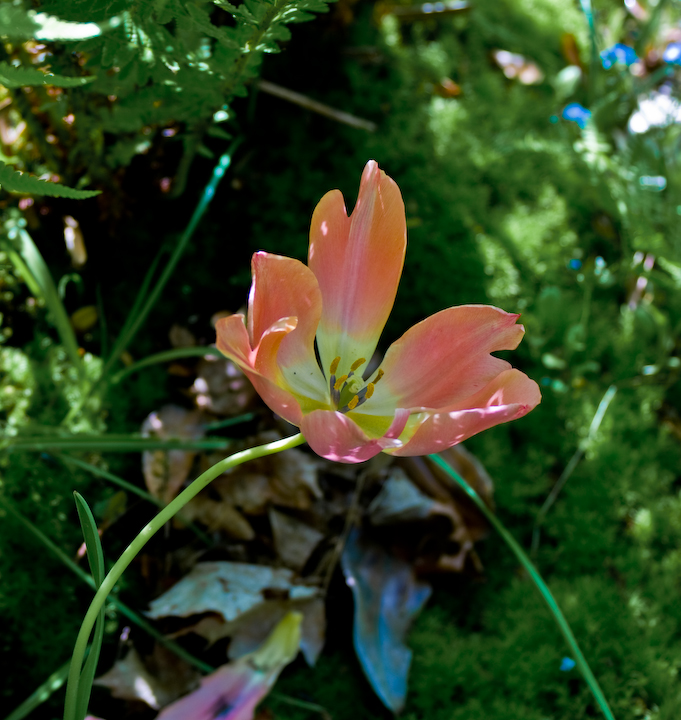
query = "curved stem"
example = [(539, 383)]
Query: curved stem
[(537, 580), (147, 532)]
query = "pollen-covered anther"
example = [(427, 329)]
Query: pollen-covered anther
[(353, 402), (357, 363), (379, 376), (369, 391), (339, 383), (334, 365)]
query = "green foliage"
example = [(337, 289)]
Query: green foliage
[(19, 182), (18, 23), (14, 77)]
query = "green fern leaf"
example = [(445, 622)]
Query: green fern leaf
[(13, 181), (14, 77), (16, 23)]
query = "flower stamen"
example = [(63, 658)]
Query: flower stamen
[(356, 364), (353, 403), (339, 383)]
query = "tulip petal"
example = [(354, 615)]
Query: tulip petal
[(260, 365), (508, 397), (357, 262), (445, 358), (337, 437), (284, 287)]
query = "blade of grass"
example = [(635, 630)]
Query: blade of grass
[(122, 608), (95, 558), (41, 694), (34, 264), (98, 472), (572, 464), (109, 443), (165, 356), (219, 424), (537, 580), (138, 317)]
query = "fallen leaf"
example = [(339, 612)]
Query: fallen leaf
[(218, 516), (157, 680), (166, 471), (294, 541), (234, 690), (387, 598), (227, 588)]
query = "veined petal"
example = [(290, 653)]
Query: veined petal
[(284, 287), (445, 358), (335, 436), (357, 262), (260, 364), (508, 397)]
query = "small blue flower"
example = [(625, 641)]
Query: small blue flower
[(566, 664), (574, 112), (618, 54), (575, 264), (672, 53)]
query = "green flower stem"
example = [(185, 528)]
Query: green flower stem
[(538, 581), (166, 356), (72, 690)]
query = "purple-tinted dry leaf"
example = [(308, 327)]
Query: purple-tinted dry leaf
[(166, 472), (158, 680), (294, 541), (399, 500), (233, 691), (251, 629), (227, 588), (387, 598)]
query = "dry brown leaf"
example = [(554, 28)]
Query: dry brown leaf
[(157, 680), (294, 541), (218, 516), (286, 479), (166, 472)]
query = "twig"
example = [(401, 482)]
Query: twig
[(315, 106)]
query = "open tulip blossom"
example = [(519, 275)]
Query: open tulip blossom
[(311, 330)]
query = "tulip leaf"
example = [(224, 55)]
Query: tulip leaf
[(95, 557)]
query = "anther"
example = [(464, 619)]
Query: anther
[(369, 391), (357, 364), (379, 376), (353, 402), (334, 365), (339, 383)]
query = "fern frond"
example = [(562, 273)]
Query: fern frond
[(17, 23), (13, 181), (15, 77)]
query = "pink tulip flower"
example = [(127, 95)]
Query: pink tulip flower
[(437, 385)]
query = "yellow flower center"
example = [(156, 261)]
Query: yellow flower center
[(350, 391)]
